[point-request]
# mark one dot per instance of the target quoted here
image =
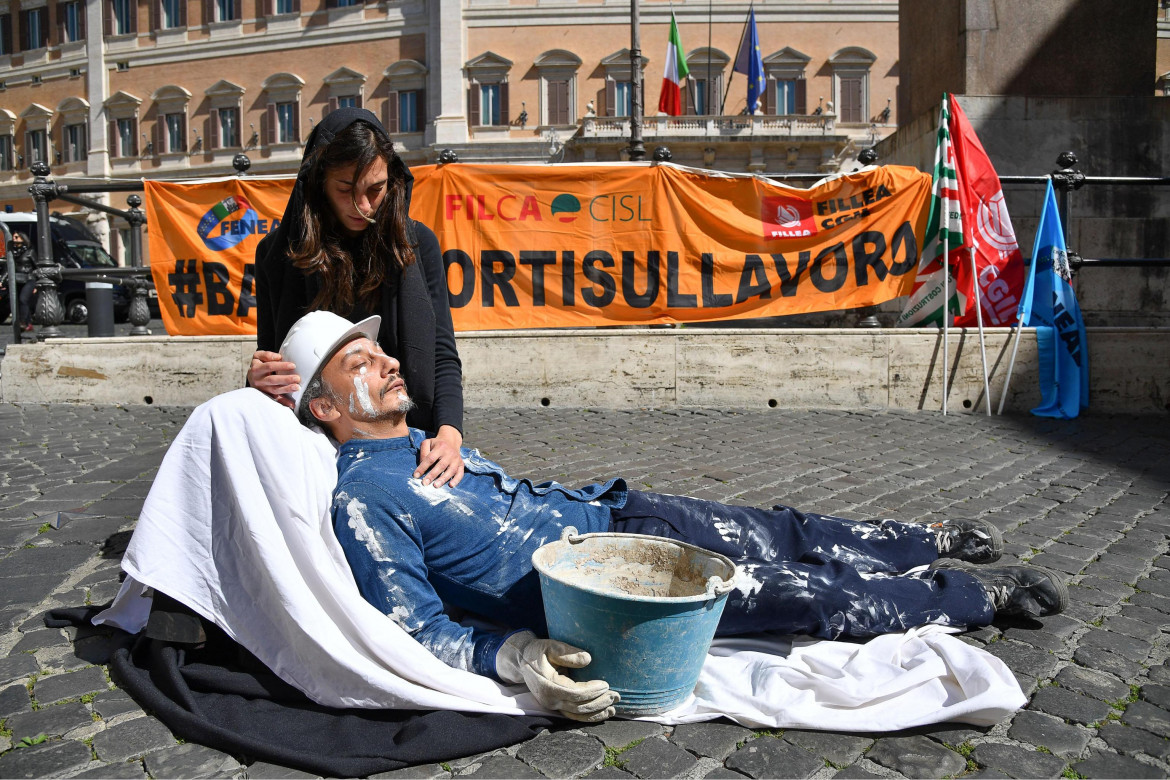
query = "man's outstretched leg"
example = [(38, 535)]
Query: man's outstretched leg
[(786, 534), (828, 577)]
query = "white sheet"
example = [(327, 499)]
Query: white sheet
[(237, 527)]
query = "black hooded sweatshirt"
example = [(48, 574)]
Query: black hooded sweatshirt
[(416, 317)]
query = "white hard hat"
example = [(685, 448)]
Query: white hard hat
[(313, 339)]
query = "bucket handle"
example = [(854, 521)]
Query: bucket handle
[(569, 534), (717, 586)]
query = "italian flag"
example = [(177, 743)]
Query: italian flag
[(670, 102), (943, 246)]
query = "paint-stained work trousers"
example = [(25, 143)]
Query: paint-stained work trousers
[(804, 573)]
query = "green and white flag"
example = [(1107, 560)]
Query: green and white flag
[(944, 228)]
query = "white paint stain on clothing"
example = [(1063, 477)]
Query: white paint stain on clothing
[(438, 495), (746, 582), (366, 534), (728, 531), (355, 511)]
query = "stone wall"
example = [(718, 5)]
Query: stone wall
[(1034, 48), (638, 368)]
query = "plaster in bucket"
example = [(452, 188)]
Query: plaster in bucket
[(644, 607)]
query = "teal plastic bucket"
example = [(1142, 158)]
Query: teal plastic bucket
[(644, 607)]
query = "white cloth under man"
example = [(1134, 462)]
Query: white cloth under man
[(237, 527)]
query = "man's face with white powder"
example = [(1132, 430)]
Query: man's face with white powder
[(365, 384)]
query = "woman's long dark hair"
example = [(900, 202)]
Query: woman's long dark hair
[(384, 245)]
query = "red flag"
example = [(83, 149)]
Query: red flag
[(987, 229)]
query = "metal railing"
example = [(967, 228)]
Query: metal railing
[(1066, 179), (48, 313), (711, 126)]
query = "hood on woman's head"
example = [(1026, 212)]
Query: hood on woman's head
[(336, 121)]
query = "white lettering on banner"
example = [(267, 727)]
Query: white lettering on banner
[(998, 303)]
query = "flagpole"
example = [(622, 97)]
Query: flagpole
[(946, 257), (707, 90), (1011, 365), (979, 320), (727, 91)]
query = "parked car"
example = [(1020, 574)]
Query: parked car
[(74, 246)]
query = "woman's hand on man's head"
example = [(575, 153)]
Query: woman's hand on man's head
[(273, 376)]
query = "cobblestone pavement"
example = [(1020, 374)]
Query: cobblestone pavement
[(1086, 497)]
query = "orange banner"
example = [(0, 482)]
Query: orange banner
[(583, 245), (578, 245), (203, 240)]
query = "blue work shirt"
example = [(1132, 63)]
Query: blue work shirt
[(413, 547)]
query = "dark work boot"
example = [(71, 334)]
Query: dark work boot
[(1017, 589), (975, 541)]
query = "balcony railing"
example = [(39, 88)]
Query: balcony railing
[(711, 126)]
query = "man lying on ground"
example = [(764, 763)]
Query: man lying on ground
[(414, 547)]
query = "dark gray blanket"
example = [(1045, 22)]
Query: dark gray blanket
[(219, 695)]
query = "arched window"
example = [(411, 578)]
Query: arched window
[(122, 113), (703, 92), (170, 126), (851, 67), (345, 89), (224, 116), (619, 83), (405, 109), (7, 140), (74, 144), (558, 86), (786, 91), (487, 90), (284, 108)]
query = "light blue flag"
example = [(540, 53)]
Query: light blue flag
[(1050, 306), (750, 61)]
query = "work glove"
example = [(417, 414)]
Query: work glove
[(525, 659)]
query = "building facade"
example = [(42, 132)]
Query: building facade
[(127, 89)]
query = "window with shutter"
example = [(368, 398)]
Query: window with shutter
[(5, 33), (171, 14), (75, 142), (176, 133), (229, 127), (71, 18), (36, 148), (408, 111), (473, 105), (7, 156), (850, 109), (390, 113), (558, 102), (125, 16)]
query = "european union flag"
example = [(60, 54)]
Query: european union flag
[(1050, 305), (751, 62)]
